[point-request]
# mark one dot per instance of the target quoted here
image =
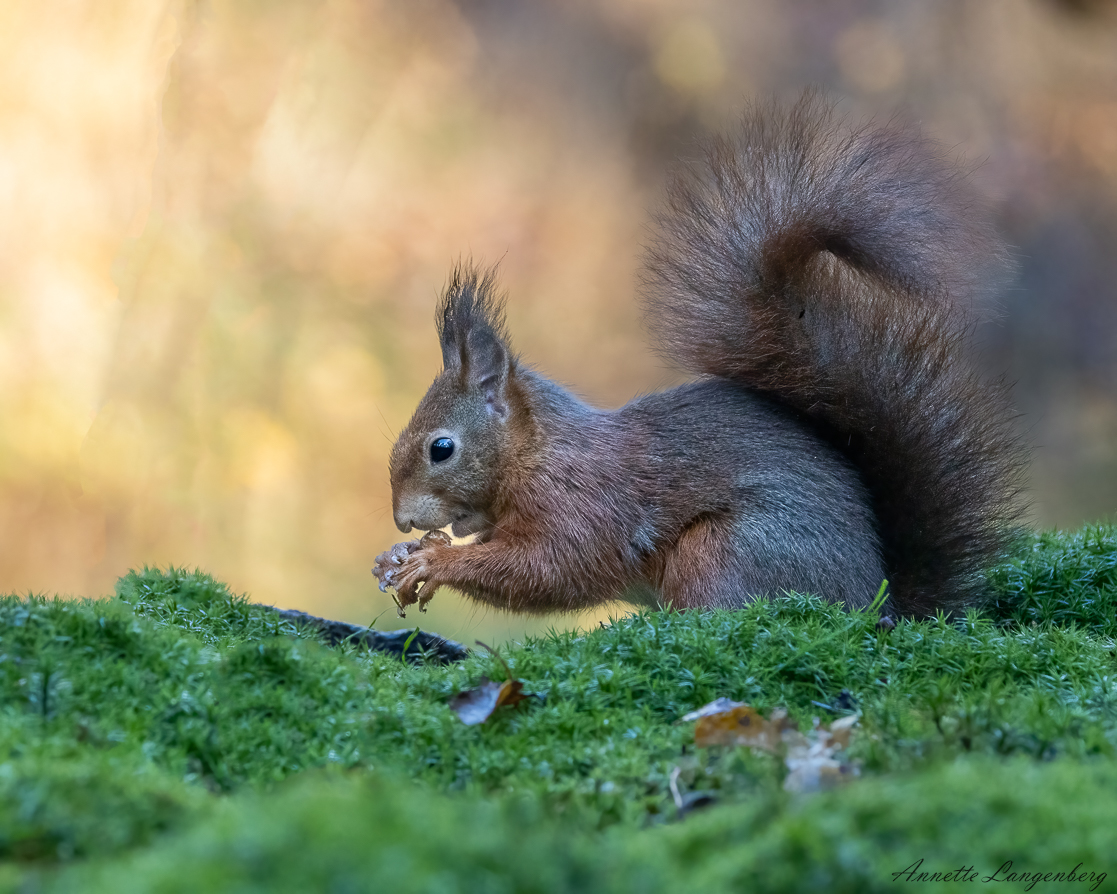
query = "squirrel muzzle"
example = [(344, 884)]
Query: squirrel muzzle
[(423, 511)]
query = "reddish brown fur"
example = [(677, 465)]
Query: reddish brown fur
[(820, 279)]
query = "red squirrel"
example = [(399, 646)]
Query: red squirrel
[(818, 281)]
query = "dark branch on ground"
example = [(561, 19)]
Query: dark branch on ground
[(420, 645)]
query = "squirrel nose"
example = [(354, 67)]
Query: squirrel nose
[(404, 524)]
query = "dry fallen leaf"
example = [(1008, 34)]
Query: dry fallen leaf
[(810, 758), (726, 722), (717, 706), (841, 729), (477, 705), (814, 767)]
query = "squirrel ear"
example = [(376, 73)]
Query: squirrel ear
[(470, 321), (486, 365)]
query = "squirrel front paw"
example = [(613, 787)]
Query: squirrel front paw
[(389, 563), (405, 567)]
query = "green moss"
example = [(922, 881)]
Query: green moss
[(369, 834), (193, 601), (871, 835), (1063, 578), (179, 705), (86, 804), (377, 833)]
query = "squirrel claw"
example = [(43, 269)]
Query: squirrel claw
[(404, 569), (389, 564)]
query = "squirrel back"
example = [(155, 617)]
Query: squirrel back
[(835, 271)]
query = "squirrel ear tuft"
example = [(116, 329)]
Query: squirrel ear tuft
[(470, 321)]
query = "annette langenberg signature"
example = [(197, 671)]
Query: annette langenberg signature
[(1004, 873)]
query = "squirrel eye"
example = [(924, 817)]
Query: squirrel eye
[(441, 450)]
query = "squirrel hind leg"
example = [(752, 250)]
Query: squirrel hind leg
[(712, 565), (702, 568)]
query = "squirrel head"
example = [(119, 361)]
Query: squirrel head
[(445, 464)]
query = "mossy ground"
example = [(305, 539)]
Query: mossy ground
[(149, 743)]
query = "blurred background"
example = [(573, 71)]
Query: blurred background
[(223, 227)]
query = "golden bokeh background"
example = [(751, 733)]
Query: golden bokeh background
[(223, 226)]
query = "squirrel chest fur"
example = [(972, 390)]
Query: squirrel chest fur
[(818, 281)]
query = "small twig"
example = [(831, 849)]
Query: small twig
[(496, 655), (675, 789)]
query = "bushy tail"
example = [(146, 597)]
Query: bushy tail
[(835, 269)]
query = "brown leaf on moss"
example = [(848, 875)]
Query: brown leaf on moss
[(477, 705), (726, 722), (841, 730), (815, 760)]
